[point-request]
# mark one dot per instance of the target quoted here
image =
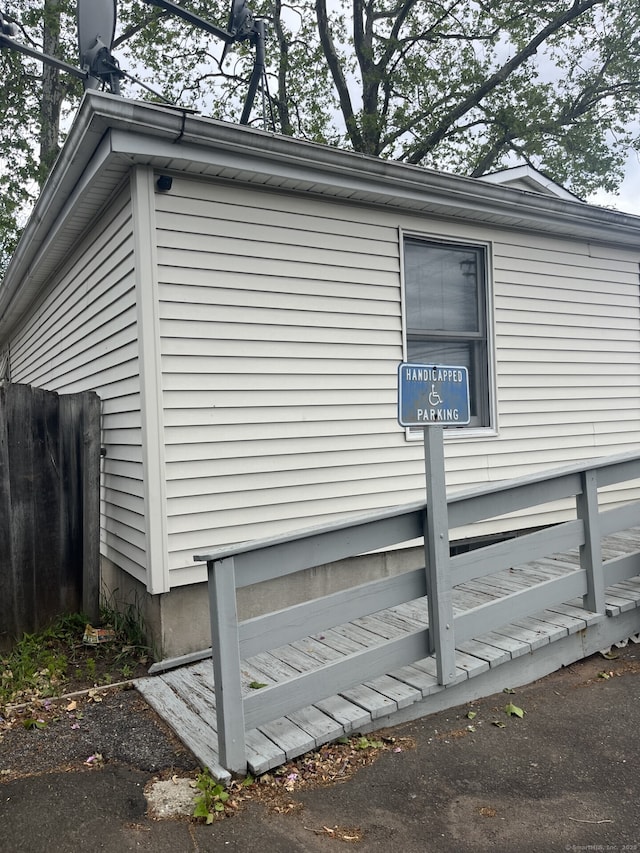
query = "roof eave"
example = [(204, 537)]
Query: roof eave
[(110, 131)]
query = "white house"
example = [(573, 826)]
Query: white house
[(240, 301)]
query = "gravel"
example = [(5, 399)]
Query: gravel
[(116, 726)]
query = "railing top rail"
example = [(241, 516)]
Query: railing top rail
[(599, 464), (343, 523)]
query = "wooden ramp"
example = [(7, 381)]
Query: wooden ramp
[(515, 654)]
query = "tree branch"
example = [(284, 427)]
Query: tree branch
[(282, 101), (338, 77), (154, 14), (489, 159), (579, 7)]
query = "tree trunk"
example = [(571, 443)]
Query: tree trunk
[(52, 90)]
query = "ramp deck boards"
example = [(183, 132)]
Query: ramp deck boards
[(185, 698)]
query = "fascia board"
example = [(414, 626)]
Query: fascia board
[(206, 146), (349, 176)]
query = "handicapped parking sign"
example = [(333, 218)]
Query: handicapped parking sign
[(431, 394)]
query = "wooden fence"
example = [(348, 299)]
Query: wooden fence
[(49, 507), (254, 562)]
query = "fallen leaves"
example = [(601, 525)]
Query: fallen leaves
[(609, 654), (331, 764), (487, 811), (511, 710)]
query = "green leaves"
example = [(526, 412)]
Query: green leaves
[(465, 88), (367, 743), (31, 723), (212, 798), (510, 709)]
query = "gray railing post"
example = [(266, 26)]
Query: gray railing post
[(591, 551), (226, 665), (436, 547)]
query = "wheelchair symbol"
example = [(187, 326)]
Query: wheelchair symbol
[(434, 398)]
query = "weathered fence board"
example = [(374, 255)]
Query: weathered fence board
[(49, 515)]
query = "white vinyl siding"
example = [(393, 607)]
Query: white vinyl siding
[(278, 320), (567, 334), (281, 332), (83, 336), (568, 339)]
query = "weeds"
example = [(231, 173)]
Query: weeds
[(38, 663), (128, 623), (54, 661), (211, 800)]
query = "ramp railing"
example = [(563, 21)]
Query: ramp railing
[(255, 562)]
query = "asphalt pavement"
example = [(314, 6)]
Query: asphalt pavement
[(564, 776)]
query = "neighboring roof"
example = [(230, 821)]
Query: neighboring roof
[(528, 179), (111, 134)]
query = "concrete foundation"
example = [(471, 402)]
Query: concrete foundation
[(177, 622)]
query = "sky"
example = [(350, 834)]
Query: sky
[(628, 200)]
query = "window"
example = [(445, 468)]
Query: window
[(445, 303)]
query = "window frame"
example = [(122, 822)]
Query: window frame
[(484, 338)]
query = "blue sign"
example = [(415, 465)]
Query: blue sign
[(433, 394)]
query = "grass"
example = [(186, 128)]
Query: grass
[(55, 661)]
